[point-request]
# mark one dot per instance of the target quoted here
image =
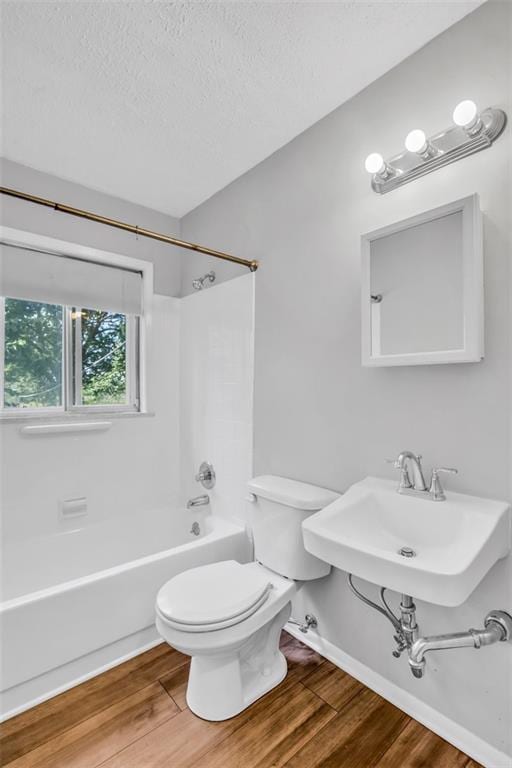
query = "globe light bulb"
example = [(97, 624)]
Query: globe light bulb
[(374, 163), (416, 141), (465, 113)]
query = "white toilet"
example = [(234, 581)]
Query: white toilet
[(228, 617)]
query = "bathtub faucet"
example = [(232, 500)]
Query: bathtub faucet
[(198, 501)]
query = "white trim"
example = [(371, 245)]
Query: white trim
[(78, 410), (67, 358), (9, 413), (447, 729), (473, 288), (84, 416), (56, 429), (33, 240), (20, 237), (131, 360), (74, 367)]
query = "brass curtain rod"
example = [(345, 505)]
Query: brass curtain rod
[(252, 265)]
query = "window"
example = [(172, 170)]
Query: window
[(33, 353), (100, 375), (65, 358), (68, 356)]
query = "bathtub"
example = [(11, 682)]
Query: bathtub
[(85, 597)]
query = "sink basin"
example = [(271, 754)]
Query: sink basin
[(455, 542)]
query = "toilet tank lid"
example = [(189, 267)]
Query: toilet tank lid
[(292, 493)]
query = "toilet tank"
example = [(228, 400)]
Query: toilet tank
[(279, 507)]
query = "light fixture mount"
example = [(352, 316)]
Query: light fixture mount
[(449, 145)]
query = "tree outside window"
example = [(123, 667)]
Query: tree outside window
[(37, 371)]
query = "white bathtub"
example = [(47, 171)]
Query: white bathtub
[(81, 601)]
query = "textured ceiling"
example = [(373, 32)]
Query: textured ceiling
[(164, 103)]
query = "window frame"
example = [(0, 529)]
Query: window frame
[(137, 335), (73, 365)]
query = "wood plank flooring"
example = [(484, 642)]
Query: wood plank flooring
[(136, 716)]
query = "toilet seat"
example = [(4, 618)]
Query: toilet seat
[(213, 596)]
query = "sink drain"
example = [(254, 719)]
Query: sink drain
[(407, 552)]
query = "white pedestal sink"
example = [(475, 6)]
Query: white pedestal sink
[(454, 542)]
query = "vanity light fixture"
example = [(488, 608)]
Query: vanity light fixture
[(375, 165), (472, 131), (466, 116), (417, 142)]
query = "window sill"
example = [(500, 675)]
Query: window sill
[(67, 417)]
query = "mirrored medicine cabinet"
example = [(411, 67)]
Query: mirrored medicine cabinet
[(422, 288)]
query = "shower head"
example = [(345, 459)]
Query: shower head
[(198, 283)]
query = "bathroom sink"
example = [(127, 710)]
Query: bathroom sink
[(448, 546)]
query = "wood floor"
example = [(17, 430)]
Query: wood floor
[(135, 716)]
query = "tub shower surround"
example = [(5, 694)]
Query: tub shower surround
[(86, 586), (216, 381)]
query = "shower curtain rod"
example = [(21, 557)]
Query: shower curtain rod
[(136, 230)]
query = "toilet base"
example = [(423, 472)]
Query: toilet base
[(221, 686), (233, 705)]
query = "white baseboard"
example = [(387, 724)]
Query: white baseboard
[(449, 730), (33, 692)]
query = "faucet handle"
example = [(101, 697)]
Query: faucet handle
[(436, 489), (206, 475)]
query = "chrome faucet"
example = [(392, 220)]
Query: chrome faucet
[(198, 501), (409, 465), (405, 460)]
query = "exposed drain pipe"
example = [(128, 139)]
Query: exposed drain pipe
[(498, 628)]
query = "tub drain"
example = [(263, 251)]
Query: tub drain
[(407, 552)]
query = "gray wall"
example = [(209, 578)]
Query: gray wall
[(419, 272), (45, 221), (320, 416)]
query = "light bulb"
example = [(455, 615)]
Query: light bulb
[(465, 114), (416, 141), (374, 163)]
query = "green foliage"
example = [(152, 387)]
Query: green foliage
[(34, 351), (103, 358), (33, 354)]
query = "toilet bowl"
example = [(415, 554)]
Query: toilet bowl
[(228, 617)]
